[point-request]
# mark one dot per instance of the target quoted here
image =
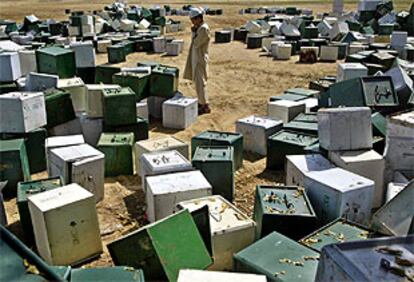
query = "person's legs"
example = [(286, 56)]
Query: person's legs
[(201, 85)]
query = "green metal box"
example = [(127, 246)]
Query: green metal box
[(285, 209), (279, 258), (138, 82), (104, 73), (59, 107), (14, 165), (87, 74), (220, 138), (107, 274), (118, 150), (26, 189), (139, 129), (7, 87), (287, 142), (116, 54), (335, 232), (56, 60), (35, 147), (163, 248), (217, 165), (19, 263), (164, 81), (119, 106), (377, 91)]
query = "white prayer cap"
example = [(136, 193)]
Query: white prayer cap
[(194, 12)]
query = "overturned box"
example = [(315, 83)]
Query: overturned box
[(297, 166), (287, 142), (118, 151), (353, 122), (166, 143), (347, 71), (220, 138), (217, 165), (76, 87), (163, 248), (65, 224), (279, 258), (22, 112), (338, 193), (285, 209), (29, 188), (162, 162), (165, 191), (179, 112), (355, 261), (256, 130), (338, 231), (81, 164), (231, 230), (395, 218), (54, 142)]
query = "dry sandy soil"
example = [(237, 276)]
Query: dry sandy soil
[(240, 84)]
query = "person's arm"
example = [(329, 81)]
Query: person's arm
[(203, 36)]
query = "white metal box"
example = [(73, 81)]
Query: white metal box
[(347, 71), (92, 128), (81, 164), (282, 51), (65, 225), (71, 127), (366, 163), (102, 45), (398, 39), (285, 110), (94, 98), (165, 191), (159, 44), (41, 81), (231, 230), (345, 128), (10, 66), (328, 53), (256, 130), (179, 112), (297, 166), (76, 87), (62, 141), (193, 275), (142, 109), (27, 61), (157, 163), (338, 193), (22, 112), (173, 48), (84, 54), (158, 144)]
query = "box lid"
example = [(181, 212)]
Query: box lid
[(67, 140), (224, 216), (294, 137), (177, 182), (160, 143), (219, 136), (340, 179), (310, 162), (11, 145), (180, 101), (28, 188), (94, 87), (338, 231), (60, 197), (358, 156), (303, 91), (258, 121), (55, 51), (213, 153), (117, 273), (284, 200), (279, 257), (77, 152), (160, 161), (193, 275), (116, 139), (118, 92), (70, 82), (21, 95)]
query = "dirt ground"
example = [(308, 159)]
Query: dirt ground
[(240, 84)]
